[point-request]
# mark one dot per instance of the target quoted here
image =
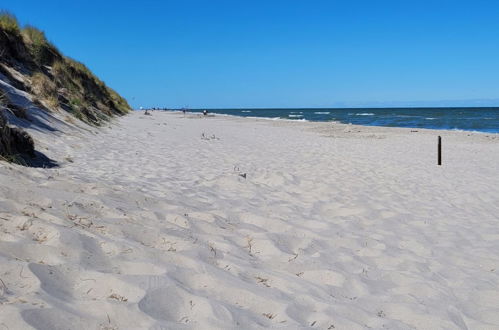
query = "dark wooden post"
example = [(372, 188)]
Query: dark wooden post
[(439, 150)]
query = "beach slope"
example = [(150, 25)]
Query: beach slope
[(170, 222)]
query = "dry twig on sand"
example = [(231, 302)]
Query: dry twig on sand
[(249, 240), (270, 316), (4, 289), (118, 297), (263, 281), (213, 250), (238, 171)]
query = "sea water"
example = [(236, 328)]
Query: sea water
[(469, 119)]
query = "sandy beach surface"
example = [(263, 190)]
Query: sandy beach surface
[(173, 222)]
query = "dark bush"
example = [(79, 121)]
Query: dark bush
[(15, 144)]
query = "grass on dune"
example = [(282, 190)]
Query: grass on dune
[(3, 99), (57, 81), (43, 52), (33, 35), (9, 22), (45, 89)]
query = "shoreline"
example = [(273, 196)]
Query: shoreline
[(330, 122)]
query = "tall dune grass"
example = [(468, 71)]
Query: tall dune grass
[(57, 81), (9, 22)]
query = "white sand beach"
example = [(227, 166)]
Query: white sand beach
[(173, 222)]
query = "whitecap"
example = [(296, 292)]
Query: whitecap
[(266, 118)]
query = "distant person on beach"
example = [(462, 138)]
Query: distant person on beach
[(205, 112)]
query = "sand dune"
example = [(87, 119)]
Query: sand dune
[(173, 222)]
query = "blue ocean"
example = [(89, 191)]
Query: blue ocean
[(468, 119)]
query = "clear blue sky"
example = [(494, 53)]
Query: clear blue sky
[(280, 53)]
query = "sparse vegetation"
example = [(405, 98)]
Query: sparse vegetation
[(33, 35), (33, 64), (45, 89), (43, 52), (15, 144), (3, 99), (8, 22), (18, 111), (87, 97), (57, 81)]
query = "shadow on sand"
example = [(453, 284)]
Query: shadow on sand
[(38, 161)]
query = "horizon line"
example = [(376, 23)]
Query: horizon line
[(313, 108)]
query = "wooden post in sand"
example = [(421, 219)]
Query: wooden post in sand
[(439, 150)]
